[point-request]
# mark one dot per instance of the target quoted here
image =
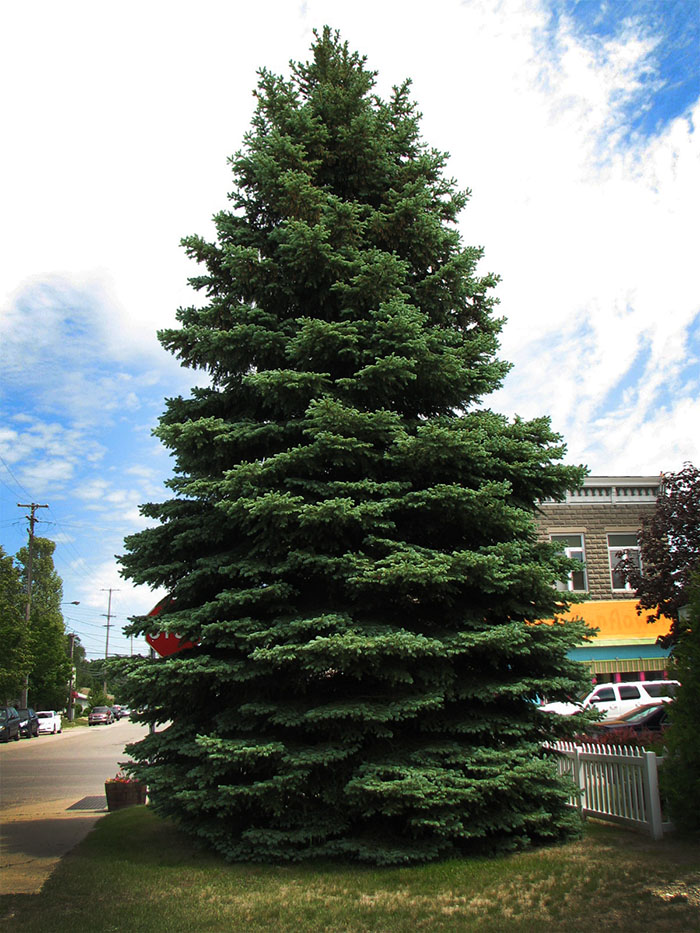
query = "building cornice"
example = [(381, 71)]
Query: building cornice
[(631, 490)]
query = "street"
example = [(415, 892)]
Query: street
[(73, 764), (40, 779)]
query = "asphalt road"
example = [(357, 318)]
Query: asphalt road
[(40, 780), (75, 763)]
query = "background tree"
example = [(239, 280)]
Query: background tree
[(669, 544), (351, 539), (50, 665), (91, 675), (109, 672), (681, 771), (15, 657), (97, 697)]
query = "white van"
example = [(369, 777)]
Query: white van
[(615, 699)]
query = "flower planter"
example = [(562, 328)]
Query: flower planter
[(122, 794)]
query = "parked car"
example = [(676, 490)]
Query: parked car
[(100, 714), (615, 699), (651, 717), (9, 724), (28, 723), (49, 720), (117, 711)]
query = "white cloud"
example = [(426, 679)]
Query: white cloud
[(592, 231), (93, 490), (132, 402), (596, 251), (127, 600), (62, 538), (46, 455), (47, 474), (578, 229), (145, 472), (57, 341), (133, 518), (631, 284)]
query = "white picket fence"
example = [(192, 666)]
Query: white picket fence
[(616, 783)]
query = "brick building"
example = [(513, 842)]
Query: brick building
[(596, 524)]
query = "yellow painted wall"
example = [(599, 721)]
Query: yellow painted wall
[(618, 622)]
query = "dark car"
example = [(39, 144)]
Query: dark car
[(100, 714), (9, 724), (117, 711), (652, 717), (28, 723)]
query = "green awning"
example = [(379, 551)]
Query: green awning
[(628, 665)]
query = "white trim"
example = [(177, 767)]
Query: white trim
[(619, 490)]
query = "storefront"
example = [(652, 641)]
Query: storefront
[(624, 647)]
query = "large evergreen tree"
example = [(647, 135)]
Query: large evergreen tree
[(350, 540)]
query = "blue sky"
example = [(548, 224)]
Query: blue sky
[(574, 124), (668, 79)]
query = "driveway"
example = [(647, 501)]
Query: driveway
[(52, 793)]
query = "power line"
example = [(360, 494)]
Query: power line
[(10, 523), (17, 482), (81, 567), (85, 623), (32, 506)]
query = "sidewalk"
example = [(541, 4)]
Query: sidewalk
[(34, 837), (39, 822)]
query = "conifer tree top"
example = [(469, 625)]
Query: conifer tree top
[(341, 251)]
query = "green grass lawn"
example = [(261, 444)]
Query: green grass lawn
[(135, 872), (78, 721)]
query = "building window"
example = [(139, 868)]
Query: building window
[(622, 547), (572, 545)]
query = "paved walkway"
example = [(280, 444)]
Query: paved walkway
[(34, 837)]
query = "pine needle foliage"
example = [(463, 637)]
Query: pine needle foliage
[(350, 542)]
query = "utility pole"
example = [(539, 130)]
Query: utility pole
[(71, 636), (109, 616), (152, 725), (70, 683), (32, 506)]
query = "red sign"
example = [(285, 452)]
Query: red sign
[(166, 643)]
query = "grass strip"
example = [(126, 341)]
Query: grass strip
[(75, 723)]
